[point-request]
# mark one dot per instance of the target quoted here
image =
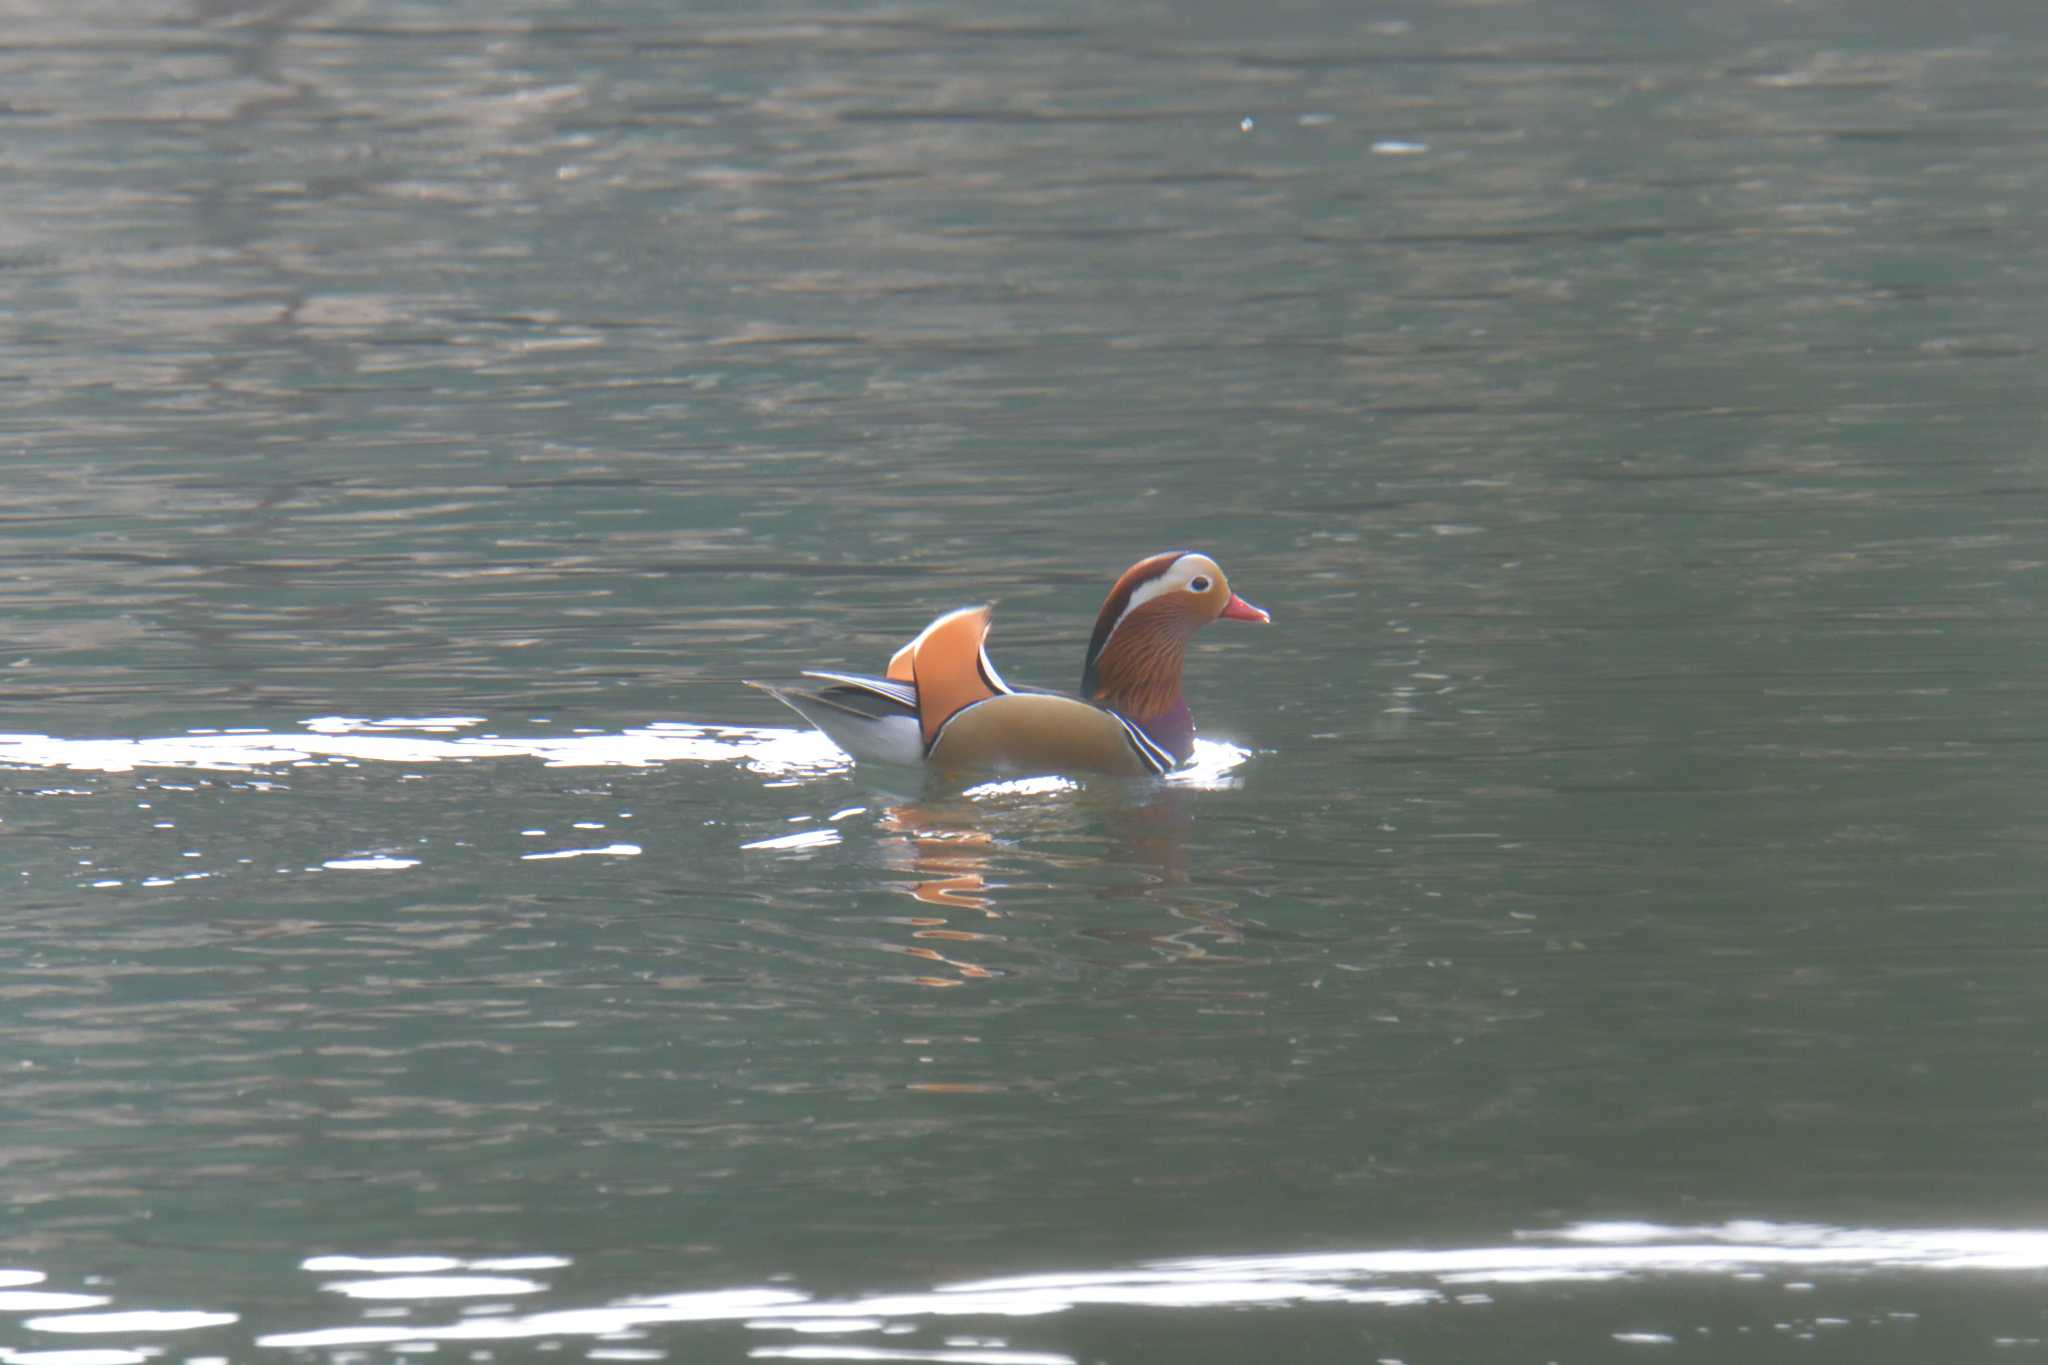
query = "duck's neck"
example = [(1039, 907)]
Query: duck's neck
[(1136, 673)]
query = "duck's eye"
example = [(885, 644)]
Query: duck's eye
[(1199, 583)]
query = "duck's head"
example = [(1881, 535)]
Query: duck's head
[(1141, 634)]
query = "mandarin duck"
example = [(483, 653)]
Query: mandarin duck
[(941, 703)]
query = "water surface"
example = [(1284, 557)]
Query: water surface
[(1597, 928)]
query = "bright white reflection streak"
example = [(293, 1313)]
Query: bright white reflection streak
[(143, 1320), (1384, 1277), (608, 851), (382, 1265), (963, 1356), (434, 1287), (805, 838), (372, 864), (1617, 1249), (349, 740), (1210, 769), (345, 740)]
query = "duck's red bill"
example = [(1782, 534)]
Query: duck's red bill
[(1237, 609)]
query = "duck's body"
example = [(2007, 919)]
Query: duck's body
[(943, 705)]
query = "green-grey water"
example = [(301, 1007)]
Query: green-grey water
[(1596, 928)]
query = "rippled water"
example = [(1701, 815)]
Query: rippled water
[(1598, 924)]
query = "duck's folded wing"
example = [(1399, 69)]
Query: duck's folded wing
[(942, 672), (870, 718), (862, 694)]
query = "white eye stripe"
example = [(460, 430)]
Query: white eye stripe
[(1145, 593), (1176, 578)]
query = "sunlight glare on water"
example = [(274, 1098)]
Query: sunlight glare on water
[(1366, 1279), (336, 739), (771, 751)]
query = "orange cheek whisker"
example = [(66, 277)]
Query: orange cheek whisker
[(1139, 669)]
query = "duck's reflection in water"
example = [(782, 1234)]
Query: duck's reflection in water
[(962, 851)]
